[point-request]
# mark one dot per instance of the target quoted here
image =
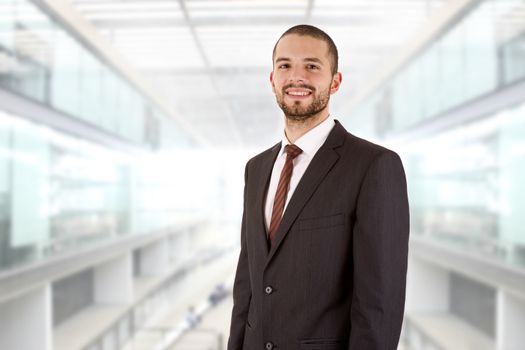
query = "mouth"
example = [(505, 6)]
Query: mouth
[(298, 93)]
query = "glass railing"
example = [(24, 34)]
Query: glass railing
[(40, 59), (466, 186), (479, 54), (59, 193)]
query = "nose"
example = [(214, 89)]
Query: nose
[(297, 74)]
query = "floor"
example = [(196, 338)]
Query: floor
[(170, 328), (171, 331)]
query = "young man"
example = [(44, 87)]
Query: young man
[(324, 238)]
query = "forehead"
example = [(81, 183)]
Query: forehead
[(301, 46)]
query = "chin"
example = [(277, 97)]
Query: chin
[(299, 117)]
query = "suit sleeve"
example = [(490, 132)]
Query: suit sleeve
[(241, 288), (380, 252)]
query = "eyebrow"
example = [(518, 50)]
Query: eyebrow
[(280, 59), (313, 59), (307, 59)]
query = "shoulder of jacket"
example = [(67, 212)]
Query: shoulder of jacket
[(367, 148), (263, 155)]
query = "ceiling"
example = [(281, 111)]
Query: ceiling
[(211, 59)]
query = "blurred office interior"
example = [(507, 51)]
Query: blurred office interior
[(125, 126)]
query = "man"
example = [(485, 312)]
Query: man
[(324, 237)]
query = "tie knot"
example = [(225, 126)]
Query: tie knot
[(292, 150)]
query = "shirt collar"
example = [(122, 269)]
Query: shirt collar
[(313, 139)]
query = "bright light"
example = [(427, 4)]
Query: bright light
[(135, 15)]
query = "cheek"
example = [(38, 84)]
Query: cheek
[(279, 79), (277, 84), (317, 81)]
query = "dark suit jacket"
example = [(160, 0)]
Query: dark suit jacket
[(335, 275)]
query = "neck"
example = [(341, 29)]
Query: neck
[(294, 129)]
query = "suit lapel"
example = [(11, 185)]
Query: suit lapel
[(264, 182), (318, 168)]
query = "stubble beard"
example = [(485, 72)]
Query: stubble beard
[(299, 113)]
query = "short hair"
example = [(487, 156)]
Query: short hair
[(314, 32)]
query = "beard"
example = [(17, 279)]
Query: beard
[(299, 112)]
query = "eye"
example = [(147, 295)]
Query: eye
[(283, 66), (312, 66)]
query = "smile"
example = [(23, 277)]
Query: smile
[(295, 92)]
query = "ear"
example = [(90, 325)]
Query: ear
[(337, 79), (271, 81)]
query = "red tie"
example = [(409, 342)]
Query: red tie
[(292, 151)]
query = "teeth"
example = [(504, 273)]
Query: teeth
[(298, 93)]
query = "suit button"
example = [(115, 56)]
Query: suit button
[(268, 290), (269, 346)]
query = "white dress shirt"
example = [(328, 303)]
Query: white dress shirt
[(310, 144)]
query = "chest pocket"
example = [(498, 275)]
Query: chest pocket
[(321, 222)]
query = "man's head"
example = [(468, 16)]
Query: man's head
[(314, 32), (304, 72)]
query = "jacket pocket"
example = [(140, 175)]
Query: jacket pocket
[(321, 222), (324, 344), (251, 318)]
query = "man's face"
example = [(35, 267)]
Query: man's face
[(302, 80)]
